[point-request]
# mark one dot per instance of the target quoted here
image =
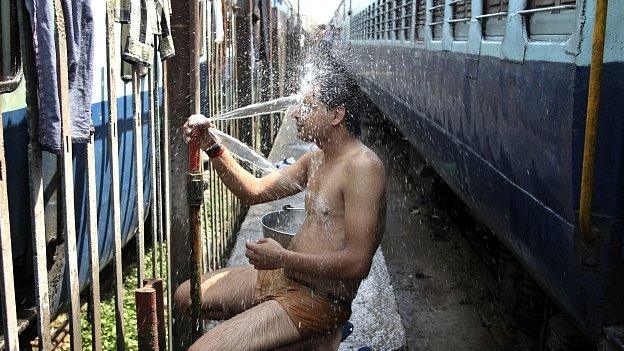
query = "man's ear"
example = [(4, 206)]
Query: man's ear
[(339, 116)]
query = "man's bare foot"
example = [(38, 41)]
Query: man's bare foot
[(340, 334), (337, 339)]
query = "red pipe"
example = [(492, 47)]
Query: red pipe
[(158, 286), (147, 318)]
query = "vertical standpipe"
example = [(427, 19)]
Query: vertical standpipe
[(195, 184), (591, 126)]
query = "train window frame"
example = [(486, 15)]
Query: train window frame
[(396, 12), (370, 22), (436, 25), (377, 16), (10, 55), (494, 20), (420, 20), (550, 20), (460, 20), (405, 20), (386, 23)]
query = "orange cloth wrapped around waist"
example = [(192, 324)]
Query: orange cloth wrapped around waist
[(312, 312)]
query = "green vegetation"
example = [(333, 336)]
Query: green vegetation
[(107, 306)]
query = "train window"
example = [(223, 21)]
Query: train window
[(362, 27), (9, 38), (462, 13), (397, 19), (378, 19), (386, 22), (419, 20), (363, 21), (437, 18), (494, 19), (370, 22), (408, 8), (551, 20)]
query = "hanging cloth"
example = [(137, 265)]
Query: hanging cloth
[(140, 39), (79, 36), (218, 12), (79, 30), (163, 13)]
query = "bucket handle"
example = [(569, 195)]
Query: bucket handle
[(291, 208)]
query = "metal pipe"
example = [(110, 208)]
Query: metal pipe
[(115, 194), (7, 290), (593, 107), (195, 184), (94, 257), (157, 284), (36, 190), (147, 318), (69, 223), (138, 166), (547, 9)]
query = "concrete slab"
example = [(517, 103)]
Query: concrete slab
[(375, 313)]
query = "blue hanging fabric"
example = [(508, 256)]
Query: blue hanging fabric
[(79, 29)]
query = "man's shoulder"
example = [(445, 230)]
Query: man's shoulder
[(364, 161)]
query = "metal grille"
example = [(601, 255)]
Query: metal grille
[(386, 24), (420, 20), (462, 12), (550, 20), (9, 46), (397, 19), (495, 6), (462, 9), (402, 19), (494, 20), (221, 210), (370, 21), (546, 3), (437, 18), (378, 20)]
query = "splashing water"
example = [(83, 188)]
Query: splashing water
[(257, 109), (241, 151)]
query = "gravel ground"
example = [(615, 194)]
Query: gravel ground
[(447, 297)]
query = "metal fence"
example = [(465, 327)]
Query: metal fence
[(232, 77)]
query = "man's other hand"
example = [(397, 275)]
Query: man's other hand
[(265, 254), (196, 128)]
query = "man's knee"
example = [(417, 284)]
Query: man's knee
[(182, 297), (197, 347)]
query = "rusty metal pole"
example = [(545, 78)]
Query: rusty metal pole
[(183, 89), (157, 284), (195, 180), (177, 96), (147, 318)]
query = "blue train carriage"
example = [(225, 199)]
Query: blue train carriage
[(15, 108), (494, 94)]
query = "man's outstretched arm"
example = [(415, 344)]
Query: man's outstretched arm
[(364, 198), (244, 185)]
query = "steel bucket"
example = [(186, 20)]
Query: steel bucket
[(282, 225)]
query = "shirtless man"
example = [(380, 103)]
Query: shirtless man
[(295, 298)]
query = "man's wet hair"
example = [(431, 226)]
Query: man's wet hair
[(337, 88)]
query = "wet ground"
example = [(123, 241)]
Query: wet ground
[(447, 297)]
